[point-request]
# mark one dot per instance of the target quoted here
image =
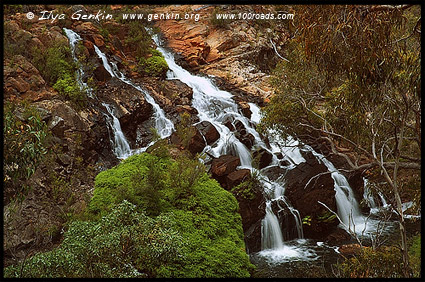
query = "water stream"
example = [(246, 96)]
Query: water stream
[(217, 106)]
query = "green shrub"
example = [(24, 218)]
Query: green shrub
[(153, 66), (212, 226), (383, 263), (138, 39), (123, 243), (205, 214), (57, 67), (415, 255), (248, 188), (218, 22), (25, 144)]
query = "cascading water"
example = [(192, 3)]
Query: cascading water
[(163, 125), (217, 107), (74, 38), (120, 144), (121, 147), (348, 208)]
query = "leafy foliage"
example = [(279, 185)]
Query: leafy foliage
[(353, 80), (206, 215), (384, 263), (123, 243), (25, 136), (153, 66)]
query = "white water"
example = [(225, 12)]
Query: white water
[(163, 125), (217, 106), (348, 208), (74, 38), (375, 207), (121, 147)]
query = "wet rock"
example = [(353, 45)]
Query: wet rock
[(101, 74), (195, 145), (245, 109), (228, 122), (264, 157), (224, 165), (274, 173), (90, 47), (252, 235), (188, 109), (287, 219), (197, 142), (208, 130), (350, 250), (57, 126), (305, 197), (237, 177), (241, 133)]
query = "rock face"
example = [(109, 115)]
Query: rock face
[(264, 157), (237, 177), (237, 53)]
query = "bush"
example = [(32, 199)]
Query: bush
[(205, 214), (123, 243), (57, 67), (218, 22), (68, 87), (153, 66), (383, 263), (415, 255), (25, 144)]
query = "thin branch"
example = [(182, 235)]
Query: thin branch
[(317, 176), (353, 234)]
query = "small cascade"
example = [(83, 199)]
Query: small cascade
[(74, 38), (272, 237), (218, 107), (121, 147), (163, 125), (375, 208), (347, 206)]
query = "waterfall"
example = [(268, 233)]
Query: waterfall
[(347, 206), (217, 106), (121, 147), (163, 125), (74, 38), (270, 230)]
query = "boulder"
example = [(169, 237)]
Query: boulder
[(241, 133), (57, 126), (196, 143), (208, 130), (101, 74), (350, 249), (237, 177), (264, 157), (224, 165), (245, 109)]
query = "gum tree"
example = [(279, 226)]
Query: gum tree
[(352, 80)]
